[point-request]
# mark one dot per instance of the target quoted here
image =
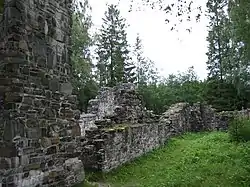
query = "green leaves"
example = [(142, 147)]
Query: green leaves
[(83, 79), (228, 59), (218, 48), (239, 130), (228, 54), (176, 12), (222, 95), (183, 87)]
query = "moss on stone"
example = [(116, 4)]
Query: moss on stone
[(116, 128)]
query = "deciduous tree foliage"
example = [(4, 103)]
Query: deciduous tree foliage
[(227, 56), (146, 72), (83, 79), (181, 10), (181, 87), (240, 16), (218, 38)]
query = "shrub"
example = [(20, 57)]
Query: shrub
[(239, 129)]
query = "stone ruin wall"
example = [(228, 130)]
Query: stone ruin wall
[(38, 122), (113, 147), (114, 106), (108, 145)]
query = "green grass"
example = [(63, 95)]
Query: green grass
[(196, 160)]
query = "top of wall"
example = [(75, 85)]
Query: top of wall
[(121, 104), (114, 106)]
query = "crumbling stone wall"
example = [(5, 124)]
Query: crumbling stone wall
[(184, 117), (113, 147), (38, 122), (108, 147), (121, 104), (225, 117), (114, 106), (120, 143)]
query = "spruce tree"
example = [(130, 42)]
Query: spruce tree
[(112, 49)]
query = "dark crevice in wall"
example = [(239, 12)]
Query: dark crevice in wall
[(1, 9)]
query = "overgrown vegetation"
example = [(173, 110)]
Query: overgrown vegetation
[(197, 160), (239, 129), (84, 83)]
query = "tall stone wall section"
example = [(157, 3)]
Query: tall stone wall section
[(38, 122)]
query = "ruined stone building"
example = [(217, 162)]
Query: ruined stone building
[(38, 122), (44, 141)]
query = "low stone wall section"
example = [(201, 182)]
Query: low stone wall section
[(109, 147), (116, 146)]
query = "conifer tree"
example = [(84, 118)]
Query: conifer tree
[(113, 49)]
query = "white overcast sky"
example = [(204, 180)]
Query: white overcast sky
[(171, 51)]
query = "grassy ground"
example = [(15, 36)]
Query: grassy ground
[(196, 160)]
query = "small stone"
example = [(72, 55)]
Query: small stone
[(66, 88)]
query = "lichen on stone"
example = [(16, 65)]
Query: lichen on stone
[(117, 127)]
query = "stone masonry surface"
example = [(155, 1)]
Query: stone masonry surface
[(38, 123), (110, 146), (120, 104), (114, 106)]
